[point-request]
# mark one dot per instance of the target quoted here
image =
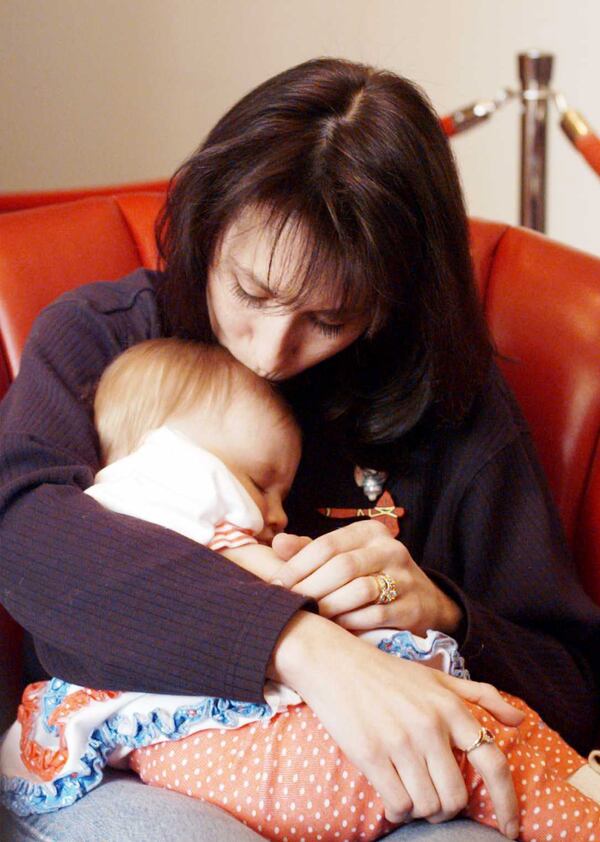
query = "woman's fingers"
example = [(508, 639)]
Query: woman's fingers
[(396, 800), (364, 619), (418, 719), (355, 536), (340, 571), (493, 767), (286, 545), (486, 696), (449, 784), (415, 776), (335, 568), (356, 594), (489, 761)]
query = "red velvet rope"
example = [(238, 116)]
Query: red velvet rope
[(589, 147), (448, 125)]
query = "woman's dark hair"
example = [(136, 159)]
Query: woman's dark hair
[(355, 161)]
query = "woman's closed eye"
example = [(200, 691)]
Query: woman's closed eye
[(245, 297), (328, 329)]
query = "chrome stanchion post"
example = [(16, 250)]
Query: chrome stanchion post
[(535, 70)]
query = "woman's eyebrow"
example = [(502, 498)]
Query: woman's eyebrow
[(261, 284), (325, 312)]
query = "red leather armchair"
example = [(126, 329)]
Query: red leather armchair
[(542, 301)]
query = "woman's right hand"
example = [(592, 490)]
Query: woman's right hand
[(397, 720)]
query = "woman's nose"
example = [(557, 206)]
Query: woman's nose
[(273, 344)]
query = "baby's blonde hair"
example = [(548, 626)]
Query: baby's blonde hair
[(154, 380)]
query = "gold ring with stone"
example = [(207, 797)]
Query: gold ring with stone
[(388, 591), (484, 736)]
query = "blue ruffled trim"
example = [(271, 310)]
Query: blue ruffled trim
[(25, 798), (403, 645), (54, 695)]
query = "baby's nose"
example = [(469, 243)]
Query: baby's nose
[(277, 518)]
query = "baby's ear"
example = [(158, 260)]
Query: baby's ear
[(286, 545)]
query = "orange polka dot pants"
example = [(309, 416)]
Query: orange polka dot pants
[(287, 779)]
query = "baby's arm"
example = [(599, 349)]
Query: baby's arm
[(257, 559)]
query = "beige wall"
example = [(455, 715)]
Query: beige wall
[(105, 91)]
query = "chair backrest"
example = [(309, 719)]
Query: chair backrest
[(48, 250), (23, 200), (44, 252), (542, 301)]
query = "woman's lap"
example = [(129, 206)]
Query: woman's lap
[(460, 830), (123, 808)]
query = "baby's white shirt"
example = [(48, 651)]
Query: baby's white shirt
[(171, 481)]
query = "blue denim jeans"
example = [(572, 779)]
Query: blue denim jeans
[(122, 809)]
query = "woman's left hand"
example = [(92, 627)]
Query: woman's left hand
[(340, 571)]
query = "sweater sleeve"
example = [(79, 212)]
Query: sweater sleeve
[(112, 601), (529, 628)]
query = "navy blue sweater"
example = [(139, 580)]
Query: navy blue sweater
[(116, 603)]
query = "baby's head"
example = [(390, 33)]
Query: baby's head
[(206, 394)]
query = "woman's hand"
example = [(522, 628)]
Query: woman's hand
[(397, 720), (339, 570)]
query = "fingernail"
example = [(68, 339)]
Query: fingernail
[(277, 582), (512, 829)]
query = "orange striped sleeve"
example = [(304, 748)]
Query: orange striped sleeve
[(228, 536)]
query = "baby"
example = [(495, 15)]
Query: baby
[(195, 442)]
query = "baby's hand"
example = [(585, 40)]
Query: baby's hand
[(257, 559)]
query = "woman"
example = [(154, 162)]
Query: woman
[(319, 234)]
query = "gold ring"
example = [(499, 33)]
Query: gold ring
[(484, 736), (387, 589)]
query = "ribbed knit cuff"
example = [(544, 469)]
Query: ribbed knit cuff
[(260, 634)]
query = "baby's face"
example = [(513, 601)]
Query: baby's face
[(260, 446)]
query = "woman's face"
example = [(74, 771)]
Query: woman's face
[(248, 314)]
